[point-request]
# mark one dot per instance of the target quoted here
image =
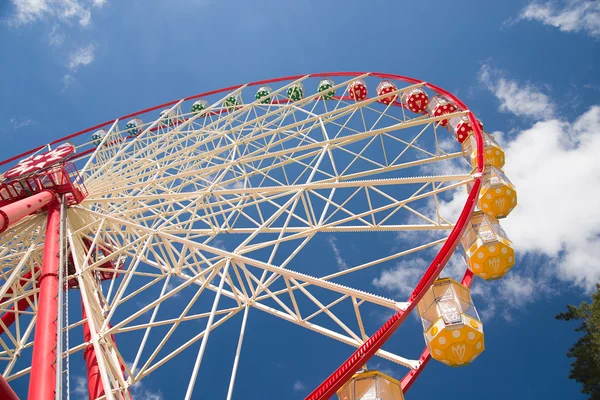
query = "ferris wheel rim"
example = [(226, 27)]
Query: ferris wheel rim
[(427, 278), (381, 75)]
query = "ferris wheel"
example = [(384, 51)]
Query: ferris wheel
[(134, 242)]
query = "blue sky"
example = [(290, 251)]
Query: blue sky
[(531, 72)]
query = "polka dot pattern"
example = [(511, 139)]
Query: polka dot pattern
[(98, 136), (198, 106), (493, 154), (133, 127), (461, 128), (385, 87), (263, 94), (357, 90), (416, 100), (487, 253), (295, 92), (457, 345), (497, 197), (231, 103), (166, 118), (438, 106), (324, 87), (443, 110)]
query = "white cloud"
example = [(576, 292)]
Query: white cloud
[(29, 10), (16, 123), (81, 388), (521, 100), (555, 167), (68, 11), (55, 37), (403, 278), (592, 87), (67, 80), (81, 56), (218, 244), (485, 303), (517, 290), (298, 386), (140, 391), (574, 16), (174, 283), (507, 296), (455, 268), (341, 263)]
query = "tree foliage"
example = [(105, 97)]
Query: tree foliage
[(586, 351)]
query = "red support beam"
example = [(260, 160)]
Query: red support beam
[(11, 213), (42, 381), (95, 385), (6, 392)]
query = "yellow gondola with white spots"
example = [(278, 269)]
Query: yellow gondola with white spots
[(498, 196), (488, 251), (493, 152), (451, 325), (371, 385)]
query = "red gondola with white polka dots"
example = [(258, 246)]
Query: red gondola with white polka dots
[(461, 128), (357, 90), (439, 105), (415, 100), (386, 87)]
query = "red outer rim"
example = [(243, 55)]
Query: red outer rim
[(197, 96), (336, 380)]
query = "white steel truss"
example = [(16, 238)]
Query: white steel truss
[(221, 208)]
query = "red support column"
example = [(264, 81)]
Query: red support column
[(42, 380), (95, 386), (11, 213), (6, 392)]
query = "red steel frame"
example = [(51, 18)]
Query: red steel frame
[(336, 380), (6, 392), (95, 385), (11, 213), (42, 381)]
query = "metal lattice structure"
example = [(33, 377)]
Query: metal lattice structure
[(218, 206)]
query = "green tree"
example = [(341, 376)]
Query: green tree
[(586, 351)]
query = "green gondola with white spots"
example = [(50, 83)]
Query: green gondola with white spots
[(324, 88), (295, 92), (262, 95), (134, 127), (199, 106), (166, 118), (231, 103), (98, 136)]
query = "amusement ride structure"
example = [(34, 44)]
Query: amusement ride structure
[(130, 242)]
